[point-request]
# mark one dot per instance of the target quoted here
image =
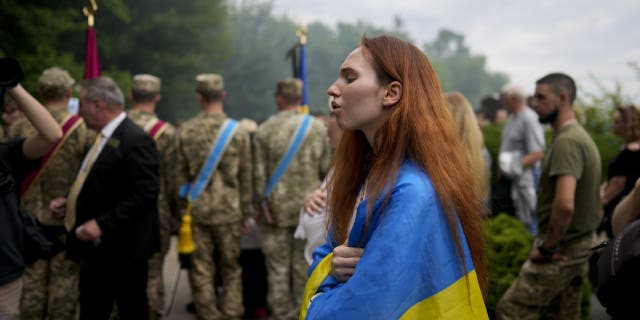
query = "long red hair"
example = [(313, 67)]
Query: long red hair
[(419, 127)]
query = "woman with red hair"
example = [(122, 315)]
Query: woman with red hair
[(404, 236)]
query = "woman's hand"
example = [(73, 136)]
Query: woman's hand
[(344, 262), (315, 201)]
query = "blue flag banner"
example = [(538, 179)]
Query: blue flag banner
[(410, 268), (303, 74)]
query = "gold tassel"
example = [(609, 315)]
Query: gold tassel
[(185, 237)]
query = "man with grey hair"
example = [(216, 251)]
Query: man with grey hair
[(111, 211), (521, 148)]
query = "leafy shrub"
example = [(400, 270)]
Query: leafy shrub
[(507, 247)]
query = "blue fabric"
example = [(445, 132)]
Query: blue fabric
[(409, 255), (303, 74), (286, 160)]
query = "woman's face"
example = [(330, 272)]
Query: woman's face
[(617, 125), (357, 95)]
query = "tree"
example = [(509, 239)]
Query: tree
[(41, 34), (459, 69), (172, 39)]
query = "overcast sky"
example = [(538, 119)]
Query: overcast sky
[(524, 39)]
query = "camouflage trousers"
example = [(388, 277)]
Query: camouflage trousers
[(225, 240), (155, 282), (50, 289), (286, 270), (557, 284)]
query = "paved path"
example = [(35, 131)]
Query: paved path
[(183, 292)]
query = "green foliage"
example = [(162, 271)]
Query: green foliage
[(37, 34), (459, 70), (174, 40), (507, 246), (261, 41)]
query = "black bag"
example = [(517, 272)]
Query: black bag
[(36, 244), (617, 274)]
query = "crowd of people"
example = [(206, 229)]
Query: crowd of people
[(371, 213)]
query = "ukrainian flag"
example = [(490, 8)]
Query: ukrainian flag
[(410, 268)]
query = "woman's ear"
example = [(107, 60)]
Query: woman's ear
[(393, 94)]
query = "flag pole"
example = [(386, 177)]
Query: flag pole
[(302, 38)]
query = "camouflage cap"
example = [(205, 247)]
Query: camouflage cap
[(208, 82), (55, 77), (291, 87), (146, 83)]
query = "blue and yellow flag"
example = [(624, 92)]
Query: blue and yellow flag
[(410, 268), (303, 76), (298, 56)]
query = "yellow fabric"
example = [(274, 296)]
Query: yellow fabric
[(185, 235), (318, 275), (452, 303), (70, 215)]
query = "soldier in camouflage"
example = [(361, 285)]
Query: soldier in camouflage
[(286, 266), (223, 205), (145, 95), (51, 286)]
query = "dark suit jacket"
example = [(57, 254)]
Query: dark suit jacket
[(121, 193)]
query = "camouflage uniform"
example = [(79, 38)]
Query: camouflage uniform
[(217, 213), (52, 284), (285, 255), (167, 146)]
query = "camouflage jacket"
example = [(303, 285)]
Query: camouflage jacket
[(167, 145), (61, 171), (305, 172), (227, 196)]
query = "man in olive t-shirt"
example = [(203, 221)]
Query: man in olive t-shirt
[(572, 153), (568, 211)]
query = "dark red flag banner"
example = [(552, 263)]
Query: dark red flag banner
[(91, 63)]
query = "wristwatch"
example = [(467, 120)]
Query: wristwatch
[(546, 253)]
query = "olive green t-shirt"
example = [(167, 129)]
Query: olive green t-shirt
[(572, 153)]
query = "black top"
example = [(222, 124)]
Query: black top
[(13, 168), (121, 193), (625, 164)]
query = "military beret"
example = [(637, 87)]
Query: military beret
[(289, 87), (146, 83), (55, 77), (208, 82)]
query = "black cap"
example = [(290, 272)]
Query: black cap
[(10, 72)]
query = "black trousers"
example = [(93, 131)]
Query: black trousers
[(104, 282)]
